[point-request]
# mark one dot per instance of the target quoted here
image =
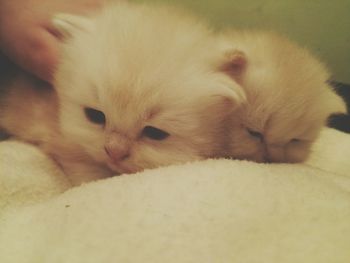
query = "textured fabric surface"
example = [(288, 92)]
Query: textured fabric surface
[(209, 211)]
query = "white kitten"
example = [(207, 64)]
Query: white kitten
[(288, 98), (137, 87)]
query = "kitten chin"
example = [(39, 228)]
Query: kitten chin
[(288, 98)]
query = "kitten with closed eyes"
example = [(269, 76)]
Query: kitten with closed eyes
[(137, 87), (288, 97)]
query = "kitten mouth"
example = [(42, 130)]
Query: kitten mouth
[(121, 169)]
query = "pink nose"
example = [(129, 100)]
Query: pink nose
[(117, 155), (275, 154), (117, 147)]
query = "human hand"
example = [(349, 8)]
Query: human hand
[(27, 35)]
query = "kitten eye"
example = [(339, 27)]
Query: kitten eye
[(154, 133), (95, 116), (295, 140), (255, 134)]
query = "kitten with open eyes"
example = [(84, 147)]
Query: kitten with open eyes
[(288, 98), (137, 87)]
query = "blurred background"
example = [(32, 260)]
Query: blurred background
[(323, 26)]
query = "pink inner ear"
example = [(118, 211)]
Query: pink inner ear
[(235, 64)]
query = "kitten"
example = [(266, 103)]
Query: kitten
[(137, 87), (288, 98)]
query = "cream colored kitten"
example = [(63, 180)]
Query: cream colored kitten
[(137, 87), (288, 98)]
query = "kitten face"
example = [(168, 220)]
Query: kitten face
[(275, 134), (288, 100), (139, 91), (146, 131)]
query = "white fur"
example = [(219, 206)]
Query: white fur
[(145, 66), (287, 97), (153, 66), (141, 66)]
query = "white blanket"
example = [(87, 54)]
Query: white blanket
[(209, 211)]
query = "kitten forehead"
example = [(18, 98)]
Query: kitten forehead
[(144, 43), (135, 64)]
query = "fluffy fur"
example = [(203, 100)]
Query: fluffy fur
[(288, 98), (137, 67)]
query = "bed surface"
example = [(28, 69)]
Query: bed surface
[(209, 211)]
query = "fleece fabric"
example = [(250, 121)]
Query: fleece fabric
[(209, 211)]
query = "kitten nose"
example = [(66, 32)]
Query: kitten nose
[(275, 154), (117, 147), (116, 155)]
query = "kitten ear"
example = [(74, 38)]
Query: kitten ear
[(67, 25), (224, 98), (234, 63)]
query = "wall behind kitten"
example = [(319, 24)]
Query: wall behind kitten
[(323, 26)]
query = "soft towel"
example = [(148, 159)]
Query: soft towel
[(208, 211)]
